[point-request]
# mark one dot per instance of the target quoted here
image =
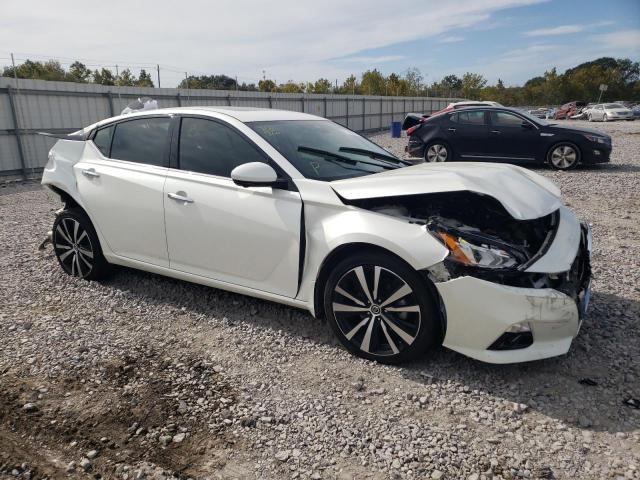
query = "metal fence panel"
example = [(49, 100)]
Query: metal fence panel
[(37, 105)]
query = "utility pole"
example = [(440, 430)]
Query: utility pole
[(158, 70), (117, 75), (15, 72)]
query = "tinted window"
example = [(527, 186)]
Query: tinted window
[(212, 148), (102, 140), (471, 118), (141, 141), (504, 119)]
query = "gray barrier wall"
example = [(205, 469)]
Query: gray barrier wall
[(61, 107)]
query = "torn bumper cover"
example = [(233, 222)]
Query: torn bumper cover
[(515, 319)]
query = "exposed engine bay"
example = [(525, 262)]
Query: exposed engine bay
[(485, 241)]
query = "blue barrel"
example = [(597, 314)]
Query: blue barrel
[(396, 128)]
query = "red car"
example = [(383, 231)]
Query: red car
[(568, 109)]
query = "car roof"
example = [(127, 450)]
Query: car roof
[(243, 114)]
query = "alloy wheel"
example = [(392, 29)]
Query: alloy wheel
[(437, 153), (563, 157), (73, 247), (376, 310), (605, 118)]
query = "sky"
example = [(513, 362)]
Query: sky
[(301, 40)]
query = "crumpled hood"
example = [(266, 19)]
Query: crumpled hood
[(523, 193)]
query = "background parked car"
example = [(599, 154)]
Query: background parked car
[(636, 111), (568, 109), (539, 112), (605, 112), (500, 134)]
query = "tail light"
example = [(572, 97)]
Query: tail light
[(413, 129)]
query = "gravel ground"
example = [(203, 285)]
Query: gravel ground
[(142, 376)]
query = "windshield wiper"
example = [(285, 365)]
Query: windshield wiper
[(372, 154), (343, 159)]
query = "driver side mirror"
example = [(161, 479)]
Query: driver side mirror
[(256, 174)]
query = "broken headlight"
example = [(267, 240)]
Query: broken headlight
[(474, 250)]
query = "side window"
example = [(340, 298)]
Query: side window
[(212, 148), (141, 141), (102, 140), (504, 119), (472, 118), (453, 118)]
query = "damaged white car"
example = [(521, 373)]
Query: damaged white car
[(296, 209)]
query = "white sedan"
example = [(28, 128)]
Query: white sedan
[(296, 209), (606, 112)]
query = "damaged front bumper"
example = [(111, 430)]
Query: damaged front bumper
[(530, 318)]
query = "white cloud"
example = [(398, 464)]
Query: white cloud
[(288, 38), (451, 39), (372, 59), (625, 39), (564, 29)]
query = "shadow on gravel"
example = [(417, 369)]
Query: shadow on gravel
[(606, 351)]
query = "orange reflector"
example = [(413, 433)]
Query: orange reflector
[(452, 245)]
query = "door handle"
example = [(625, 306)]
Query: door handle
[(179, 198), (90, 172), (496, 132), (452, 130)]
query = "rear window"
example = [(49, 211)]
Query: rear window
[(471, 118), (141, 141), (102, 140)]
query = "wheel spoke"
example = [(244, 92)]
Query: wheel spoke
[(376, 281), (366, 340), (75, 231), (339, 307), (355, 329), (85, 252), (64, 235), (346, 294), (408, 308), (63, 247), (401, 292), (87, 263), (82, 235), (363, 283), (78, 267), (66, 230), (73, 266), (66, 254), (389, 340), (408, 339)]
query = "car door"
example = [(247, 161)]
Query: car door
[(468, 132), (219, 230), (512, 138), (598, 112), (120, 180)]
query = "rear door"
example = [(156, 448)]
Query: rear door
[(512, 138), (217, 229), (468, 132), (121, 179)]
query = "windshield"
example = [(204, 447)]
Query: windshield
[(613, 105), (323, 150)]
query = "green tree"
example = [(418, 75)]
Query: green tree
[(144, 79), (414, 80), (472, 84), (267, 85), (292, 87), (350, 86), (125, 79), (104, 76), (79, 73), (322, 85), (372, 83)]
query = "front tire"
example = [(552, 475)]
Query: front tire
[(77, 247), (381, 309), (563, 156), (590, 118), (605, 118), (437, 151)]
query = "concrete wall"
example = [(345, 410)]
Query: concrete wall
[(62, 107)]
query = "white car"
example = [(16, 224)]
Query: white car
[(606, 112), (297, 209)]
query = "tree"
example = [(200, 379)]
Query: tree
[(50, 70), (452, 82), (292, 87), (144, 79), (125, 79), (414, 79), (267, 85), (372, 83), (472, 83), (322, 85), (350, 85), (79, 73), (104, 77)]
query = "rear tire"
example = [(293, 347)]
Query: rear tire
[(437, 151), (381, 309), (77, 247)]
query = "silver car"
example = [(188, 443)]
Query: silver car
[(609, 111)]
